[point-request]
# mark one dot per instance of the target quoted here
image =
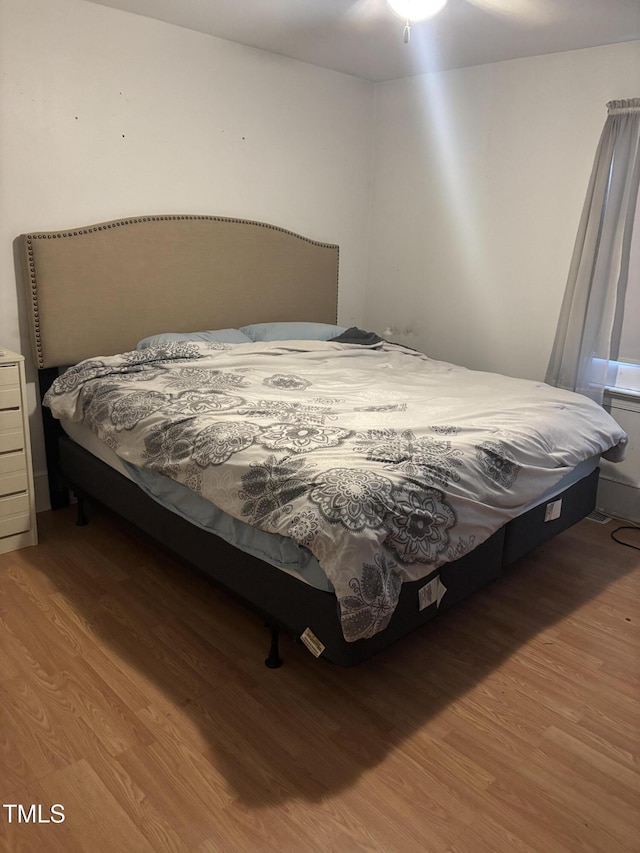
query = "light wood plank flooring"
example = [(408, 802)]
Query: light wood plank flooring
[(134, 694)]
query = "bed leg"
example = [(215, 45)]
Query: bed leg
[(274, 660), (81, 517)]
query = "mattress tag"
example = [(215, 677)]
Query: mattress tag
[(312, 642), (553, 510), (430, 592)]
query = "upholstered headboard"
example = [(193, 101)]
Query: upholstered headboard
[(99, 289)]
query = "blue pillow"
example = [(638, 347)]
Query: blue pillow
[(292, 331), (224, 336)]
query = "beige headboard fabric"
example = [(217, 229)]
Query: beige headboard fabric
[(99, 289)]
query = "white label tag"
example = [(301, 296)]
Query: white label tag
[(312, 642), (430, 592), (553, 510)]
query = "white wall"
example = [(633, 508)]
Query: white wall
[(105, 114), (480, 177)]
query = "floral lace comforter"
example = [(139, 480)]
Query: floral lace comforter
[(381, 461)]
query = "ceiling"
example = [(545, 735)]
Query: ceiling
[(365, 39)]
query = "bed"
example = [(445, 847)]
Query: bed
[(349, 457)]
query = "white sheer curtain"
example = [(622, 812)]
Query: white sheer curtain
[(587, 340)]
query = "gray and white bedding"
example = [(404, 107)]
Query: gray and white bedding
[(279, 551), (382, 462)]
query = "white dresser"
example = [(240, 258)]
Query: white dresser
[(17, 499)]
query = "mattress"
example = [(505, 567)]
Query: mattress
[(272, 548)]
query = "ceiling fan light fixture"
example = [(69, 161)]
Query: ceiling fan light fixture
[(416, 10)]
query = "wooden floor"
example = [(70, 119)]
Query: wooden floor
[(135, 695)]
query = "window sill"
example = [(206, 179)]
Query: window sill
[(614, 391), (622, 398)]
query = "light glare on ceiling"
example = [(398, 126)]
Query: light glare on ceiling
[(416, 10)]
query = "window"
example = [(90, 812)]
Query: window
[(627, 376), (597, 342)]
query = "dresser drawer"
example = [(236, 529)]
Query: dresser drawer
[(11, 439), (9, 398), (18, 525), (11, 431), (13, 473), (9, 374), (14, 515)]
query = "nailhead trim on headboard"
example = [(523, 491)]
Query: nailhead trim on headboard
[(34, 301), (172, 218)]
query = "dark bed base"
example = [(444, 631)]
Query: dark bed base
[(292, 605)]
